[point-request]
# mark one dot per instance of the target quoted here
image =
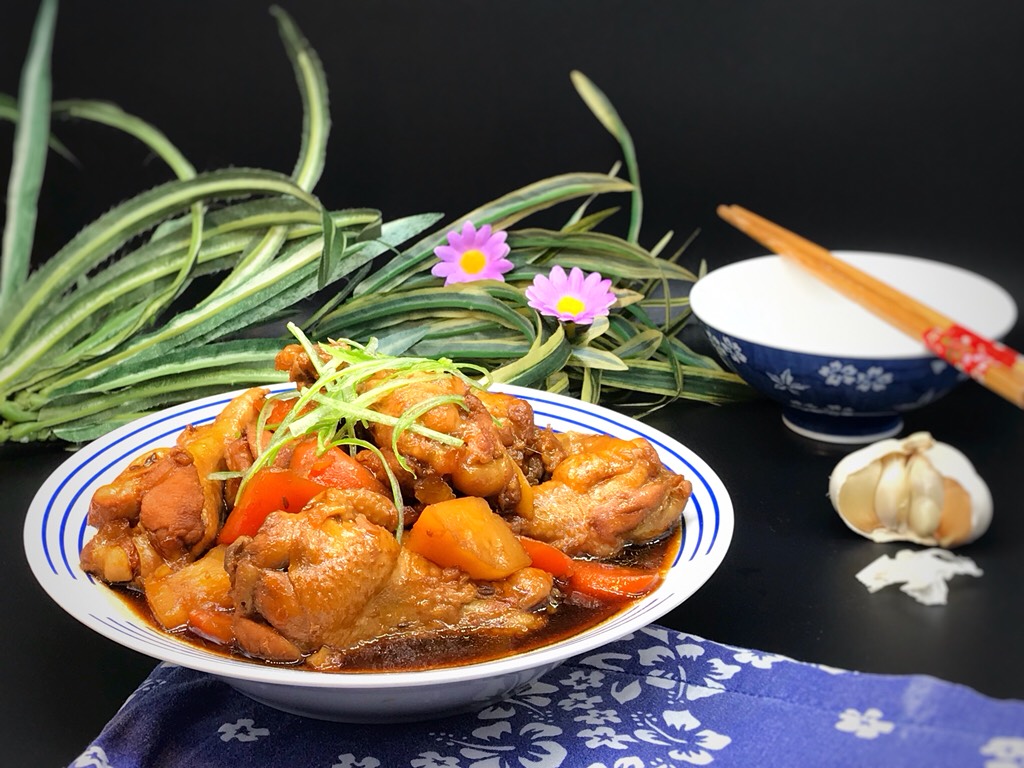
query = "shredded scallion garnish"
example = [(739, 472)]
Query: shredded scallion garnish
[(334, 410)]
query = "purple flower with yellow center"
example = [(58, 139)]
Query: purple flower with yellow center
[(577, 297), (473, 254)]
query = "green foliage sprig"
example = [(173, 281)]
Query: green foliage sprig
[(103, 332)]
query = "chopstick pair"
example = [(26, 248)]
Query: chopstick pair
[(994, 365)]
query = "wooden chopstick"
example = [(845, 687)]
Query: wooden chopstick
[(994, 365)]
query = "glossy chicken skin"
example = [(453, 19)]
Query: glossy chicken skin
[(333, 576), (480, 466), (606, 494), (164, 508)]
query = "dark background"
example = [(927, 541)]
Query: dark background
[(892, 126), (878, 125)]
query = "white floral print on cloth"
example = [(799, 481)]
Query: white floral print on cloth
[(864, 725), (656, 699)]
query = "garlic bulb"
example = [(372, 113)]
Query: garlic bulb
[(916, 489)]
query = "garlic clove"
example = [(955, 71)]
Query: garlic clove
[(892, 494), (856, 497), (915, 489), (927, 497)]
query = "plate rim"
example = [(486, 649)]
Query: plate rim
[(619, 625)]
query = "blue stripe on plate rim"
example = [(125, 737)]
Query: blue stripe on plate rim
[(546, 406)]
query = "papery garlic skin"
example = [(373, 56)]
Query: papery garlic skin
[(915, 489)]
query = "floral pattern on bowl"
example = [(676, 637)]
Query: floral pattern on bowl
[(837, 399)]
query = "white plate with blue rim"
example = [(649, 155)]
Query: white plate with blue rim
[(56, 528)]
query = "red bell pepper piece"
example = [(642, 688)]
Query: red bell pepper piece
[(267, 491)]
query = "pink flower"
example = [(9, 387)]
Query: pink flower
[(578, 296), (475, 254)]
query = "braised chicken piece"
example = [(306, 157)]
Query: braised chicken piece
[(294, 359), (607, 494), (527, 445), (164, 508), (480, 466), (333, 576)]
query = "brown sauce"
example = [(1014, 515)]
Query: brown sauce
[(398, 654)]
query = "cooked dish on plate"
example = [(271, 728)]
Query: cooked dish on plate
[(386, 514)]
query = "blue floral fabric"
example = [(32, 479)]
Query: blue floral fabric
[(655, 699)]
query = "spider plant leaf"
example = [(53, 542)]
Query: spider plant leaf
[(641, 346), (112, 115), (358, 318), (334, 246), (87, 320), (591, 221), (590, 388), (100, 239), (288, 279), (589, 357), (595, 330), (598, 252), (606, 114), (546, 356), (316, 117), (662, 244), (157, 392), (249, 353), (681, 352), (557, 382), (659, 377), (501, 214), (29, 158), (316, 128), (232, 231), (9, 111)]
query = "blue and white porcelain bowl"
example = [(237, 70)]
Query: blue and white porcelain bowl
[(841, 374)]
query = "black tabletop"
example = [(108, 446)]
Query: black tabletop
[(878, 126)]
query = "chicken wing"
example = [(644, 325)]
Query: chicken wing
[(606, 494)]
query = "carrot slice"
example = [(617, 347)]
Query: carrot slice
[(601, 580), (211, 625), (612, 582), (547, 557), (333, 468)]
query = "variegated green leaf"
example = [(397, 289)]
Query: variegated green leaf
[(501, 214), (590, 357), (546, 356), (603, 110), (29, 160)]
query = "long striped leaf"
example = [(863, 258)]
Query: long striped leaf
[(603, 110), (476, 350), (316, 128), (546, 356), (159, 392), (285, 281), (113, 116), (101, 238), (316, 115), (353, 318), (590, 357), (597, 251), (227, 354), (500, 213), (656, 377), (157, 259), (29, 160), (9, 111)]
